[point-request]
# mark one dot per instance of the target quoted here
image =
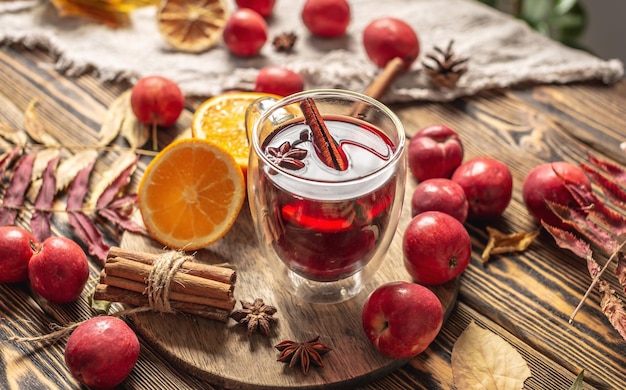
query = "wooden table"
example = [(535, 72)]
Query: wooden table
[(525, 298)]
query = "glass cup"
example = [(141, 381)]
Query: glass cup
[(325, 209)]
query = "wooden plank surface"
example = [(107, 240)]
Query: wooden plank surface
[(526, 298)]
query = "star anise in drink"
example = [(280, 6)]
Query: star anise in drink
[(256, 316), (293, 353), (287, 156)]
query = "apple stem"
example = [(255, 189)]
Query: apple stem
[(155, 141)]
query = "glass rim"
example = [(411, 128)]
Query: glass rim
[(285, 101)]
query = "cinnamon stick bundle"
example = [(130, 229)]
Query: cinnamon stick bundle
[(167, 282)]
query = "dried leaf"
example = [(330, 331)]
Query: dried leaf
[(107, 182), (610, 188), (40, 220), (14, 136), (613, 308), (615, 171), (35, 128), (579, 382), (120, 119), (14, 195), (120, 212), (620, 270), (86, 229), (7, 158), (483, 360), (567, 240), (117, 186), (506, 243), (69, 168), (39, 167), (84, 226), (591, 230)]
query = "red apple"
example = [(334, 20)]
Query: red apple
[(546, 182), (263, 7), (156, 100), (435, 151), (401, 319), (326, 18), (488, 186), (101, 352), (440, 195), (245, 33), (16, 249), (58, 271), (386, 38), (278, 80), (436, 248)]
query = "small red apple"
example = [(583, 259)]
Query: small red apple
[(326, 18), (435, 151), (440, 195), (436, 248), (263, 7), (278, 80), (16, 249), (156, 100), (101, 352), (546, 182), (245, 33), (386, 38), (488, 186), (58, 270), (401, 319)]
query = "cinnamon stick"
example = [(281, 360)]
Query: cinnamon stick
[(181, 282), (139, 287), (379, 86), (325, 145), (207, 271), (115, 294)]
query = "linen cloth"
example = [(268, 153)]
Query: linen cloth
[(502, 51)]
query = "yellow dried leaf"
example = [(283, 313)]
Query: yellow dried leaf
[(506, 243), (120, 119), (42, 159), (12, 135), (35, 128), (483, 360), (69, 168)]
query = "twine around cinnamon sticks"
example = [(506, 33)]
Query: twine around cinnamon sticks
[(168, 282)]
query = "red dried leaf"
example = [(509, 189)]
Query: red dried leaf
[(9, 157), (40, 221), (116, 186), (84, 226), (578, 219), (567, 240), (86, 229), (613, 308), (615, 171), (120, 212), (14, 195), (611, 189), (79, 188)]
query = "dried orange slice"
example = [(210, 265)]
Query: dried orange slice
[(191, 194), (222, 120), (192, 25)]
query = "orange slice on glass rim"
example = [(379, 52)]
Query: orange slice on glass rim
[(191, 194), (192, 25), (222, 120)]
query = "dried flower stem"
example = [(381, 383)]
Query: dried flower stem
[(595, 281)]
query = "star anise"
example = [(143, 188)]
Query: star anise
[(305, 353), (284, 42), (256, 316), (287, 156), (445, 68)]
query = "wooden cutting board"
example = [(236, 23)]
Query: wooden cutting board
[(225, 355)]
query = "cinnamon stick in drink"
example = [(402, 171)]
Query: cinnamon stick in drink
[(325, 145)]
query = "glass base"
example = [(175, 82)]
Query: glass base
[(324, 292)]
